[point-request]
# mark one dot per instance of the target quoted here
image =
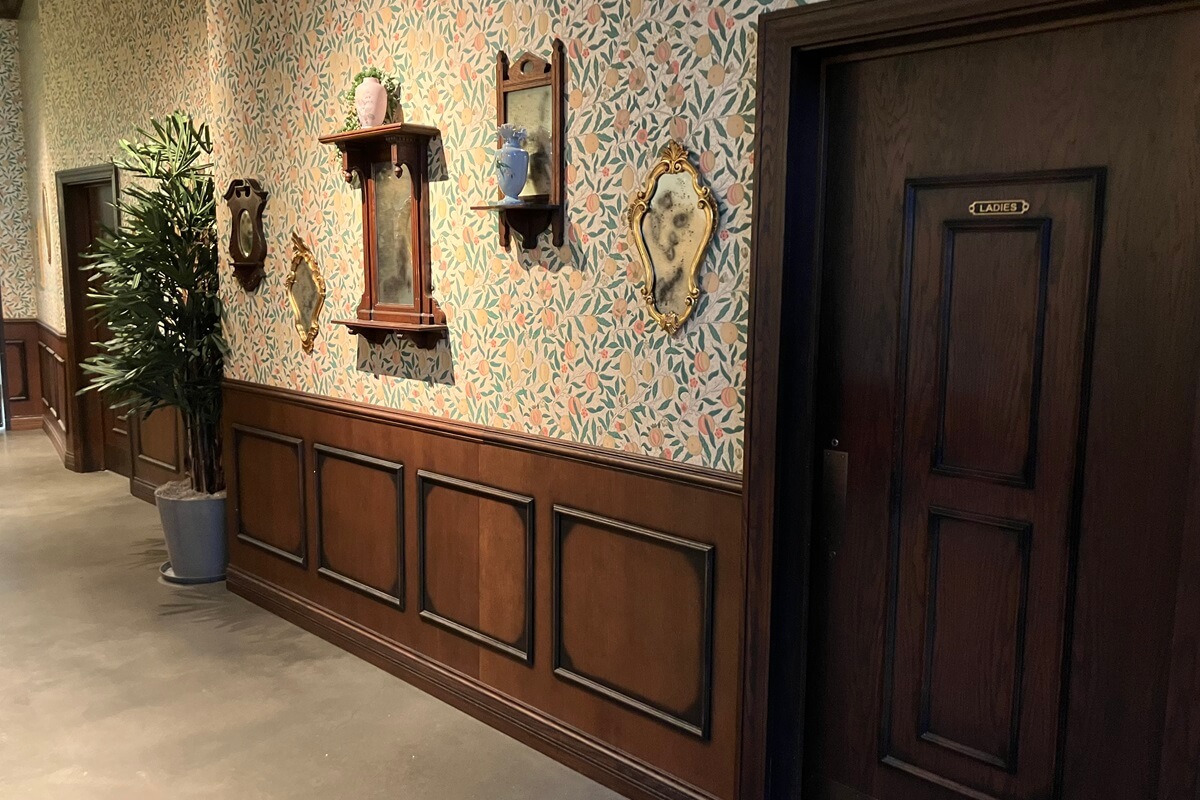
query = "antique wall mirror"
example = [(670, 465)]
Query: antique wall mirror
[(671, 220), (391, 162), (247, 243), (530, 93), (305, 286)]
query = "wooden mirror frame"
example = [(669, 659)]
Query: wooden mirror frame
[(405, 147), (672, 160), (246, 196), (541, 211)]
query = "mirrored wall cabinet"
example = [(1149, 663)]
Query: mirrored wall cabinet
[(391, 162), (529, 94)]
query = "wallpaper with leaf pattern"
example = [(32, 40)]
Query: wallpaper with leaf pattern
[(16, 256), (554, 342), (92, 72)]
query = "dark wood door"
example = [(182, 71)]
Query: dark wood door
[(88, 209), (1006, 401)]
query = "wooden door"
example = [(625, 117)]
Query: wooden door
[(1006, 386), (88, 209)]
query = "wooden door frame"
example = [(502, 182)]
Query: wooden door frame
[(785, 286), (85, 459)]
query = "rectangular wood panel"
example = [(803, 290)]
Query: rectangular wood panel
[(656, 717), (24, 373), (626, 597), (475, 546), (17, 356), (360, 522), (975, 635), (991, 352), (977, 603), (269, 503)]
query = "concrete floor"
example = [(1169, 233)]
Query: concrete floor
[(115, 685)]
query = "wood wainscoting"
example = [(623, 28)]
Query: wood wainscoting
[(157, 452), (52, 369), (24, 363), (584, 601)]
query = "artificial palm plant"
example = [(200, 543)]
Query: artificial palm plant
[(154, 286)]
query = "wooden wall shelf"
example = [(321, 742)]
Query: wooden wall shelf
[(529, 220), (425, 336), (392, 165)]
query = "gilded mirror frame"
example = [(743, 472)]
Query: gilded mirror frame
[(308, 328), (672, 160)]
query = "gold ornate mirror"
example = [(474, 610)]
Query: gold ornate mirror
[(306, 291), (672, 218)]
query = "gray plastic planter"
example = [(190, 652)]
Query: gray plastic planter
[(194, 528)]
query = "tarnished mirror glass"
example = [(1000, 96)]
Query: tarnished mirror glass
[(672, 219), (394, 243), (245, 232), (533, 110)]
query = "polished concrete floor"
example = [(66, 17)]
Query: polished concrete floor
[(115, 685)]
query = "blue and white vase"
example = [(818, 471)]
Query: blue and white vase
[(512, 163)]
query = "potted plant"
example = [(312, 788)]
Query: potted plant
[(154, 285)]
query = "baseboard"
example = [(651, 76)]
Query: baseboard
[(593, 758), (58, 439), (142, 490), (25, 423)]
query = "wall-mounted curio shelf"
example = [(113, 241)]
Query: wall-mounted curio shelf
[(391, 162), (530, 94)]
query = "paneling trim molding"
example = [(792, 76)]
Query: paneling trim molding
[(395, 471), (702, 557), (727, 482), (241, 432), (522, 649), (23, 358)]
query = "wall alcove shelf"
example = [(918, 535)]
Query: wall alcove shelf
[(391, 162)]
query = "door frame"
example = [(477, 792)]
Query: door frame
[(86, 459), (785, 290)]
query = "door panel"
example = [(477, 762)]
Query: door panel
[(1008, 368), (993, 353)]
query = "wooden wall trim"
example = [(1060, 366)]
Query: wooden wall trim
[(242, 498), (55, 414), (522, 647), (586, 754), (701, 556), (24, 371), (727, 482), (455, 535)]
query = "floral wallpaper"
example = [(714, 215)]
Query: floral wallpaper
[(16, 258), (554, 342), (92, 72)]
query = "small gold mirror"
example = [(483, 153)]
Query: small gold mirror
[(672, 218), (305, 287)]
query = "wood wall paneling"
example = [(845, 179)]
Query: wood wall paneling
[(56, 417), (647, 699), (157, 444), (475, 561), (626, 597), (24, 373), (360, 522), (269, 496)]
